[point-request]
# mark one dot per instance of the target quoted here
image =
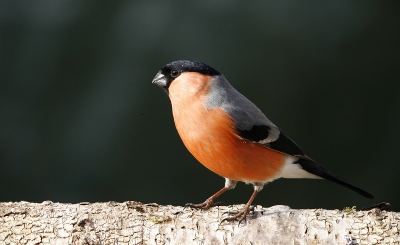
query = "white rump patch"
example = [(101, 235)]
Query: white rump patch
[(293, 170)]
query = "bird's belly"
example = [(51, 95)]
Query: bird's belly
[(214, 143), (240, 160)]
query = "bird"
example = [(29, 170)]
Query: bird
[(230, 135)]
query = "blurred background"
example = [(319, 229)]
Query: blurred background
[(81, 121)]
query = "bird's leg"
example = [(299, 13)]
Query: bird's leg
[(241, 215), (209, 202), (229, 184)]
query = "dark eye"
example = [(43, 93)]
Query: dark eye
[(174, 73)]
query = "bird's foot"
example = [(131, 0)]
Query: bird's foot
[(239, 216), (205, 205)]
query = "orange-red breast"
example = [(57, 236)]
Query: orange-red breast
[(229, 135)]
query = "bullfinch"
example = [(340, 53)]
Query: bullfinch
[(230, 135)]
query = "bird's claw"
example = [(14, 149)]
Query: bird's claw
[(240, 217), (205, 205)]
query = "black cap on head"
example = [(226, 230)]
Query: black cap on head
[(189, 66), (172, 70)]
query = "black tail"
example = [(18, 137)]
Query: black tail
[(313, 168)]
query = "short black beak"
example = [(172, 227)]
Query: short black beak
[(160, 80)]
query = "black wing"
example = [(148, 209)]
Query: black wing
[(283, 143)]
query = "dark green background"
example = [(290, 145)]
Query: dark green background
[(81, 121)]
